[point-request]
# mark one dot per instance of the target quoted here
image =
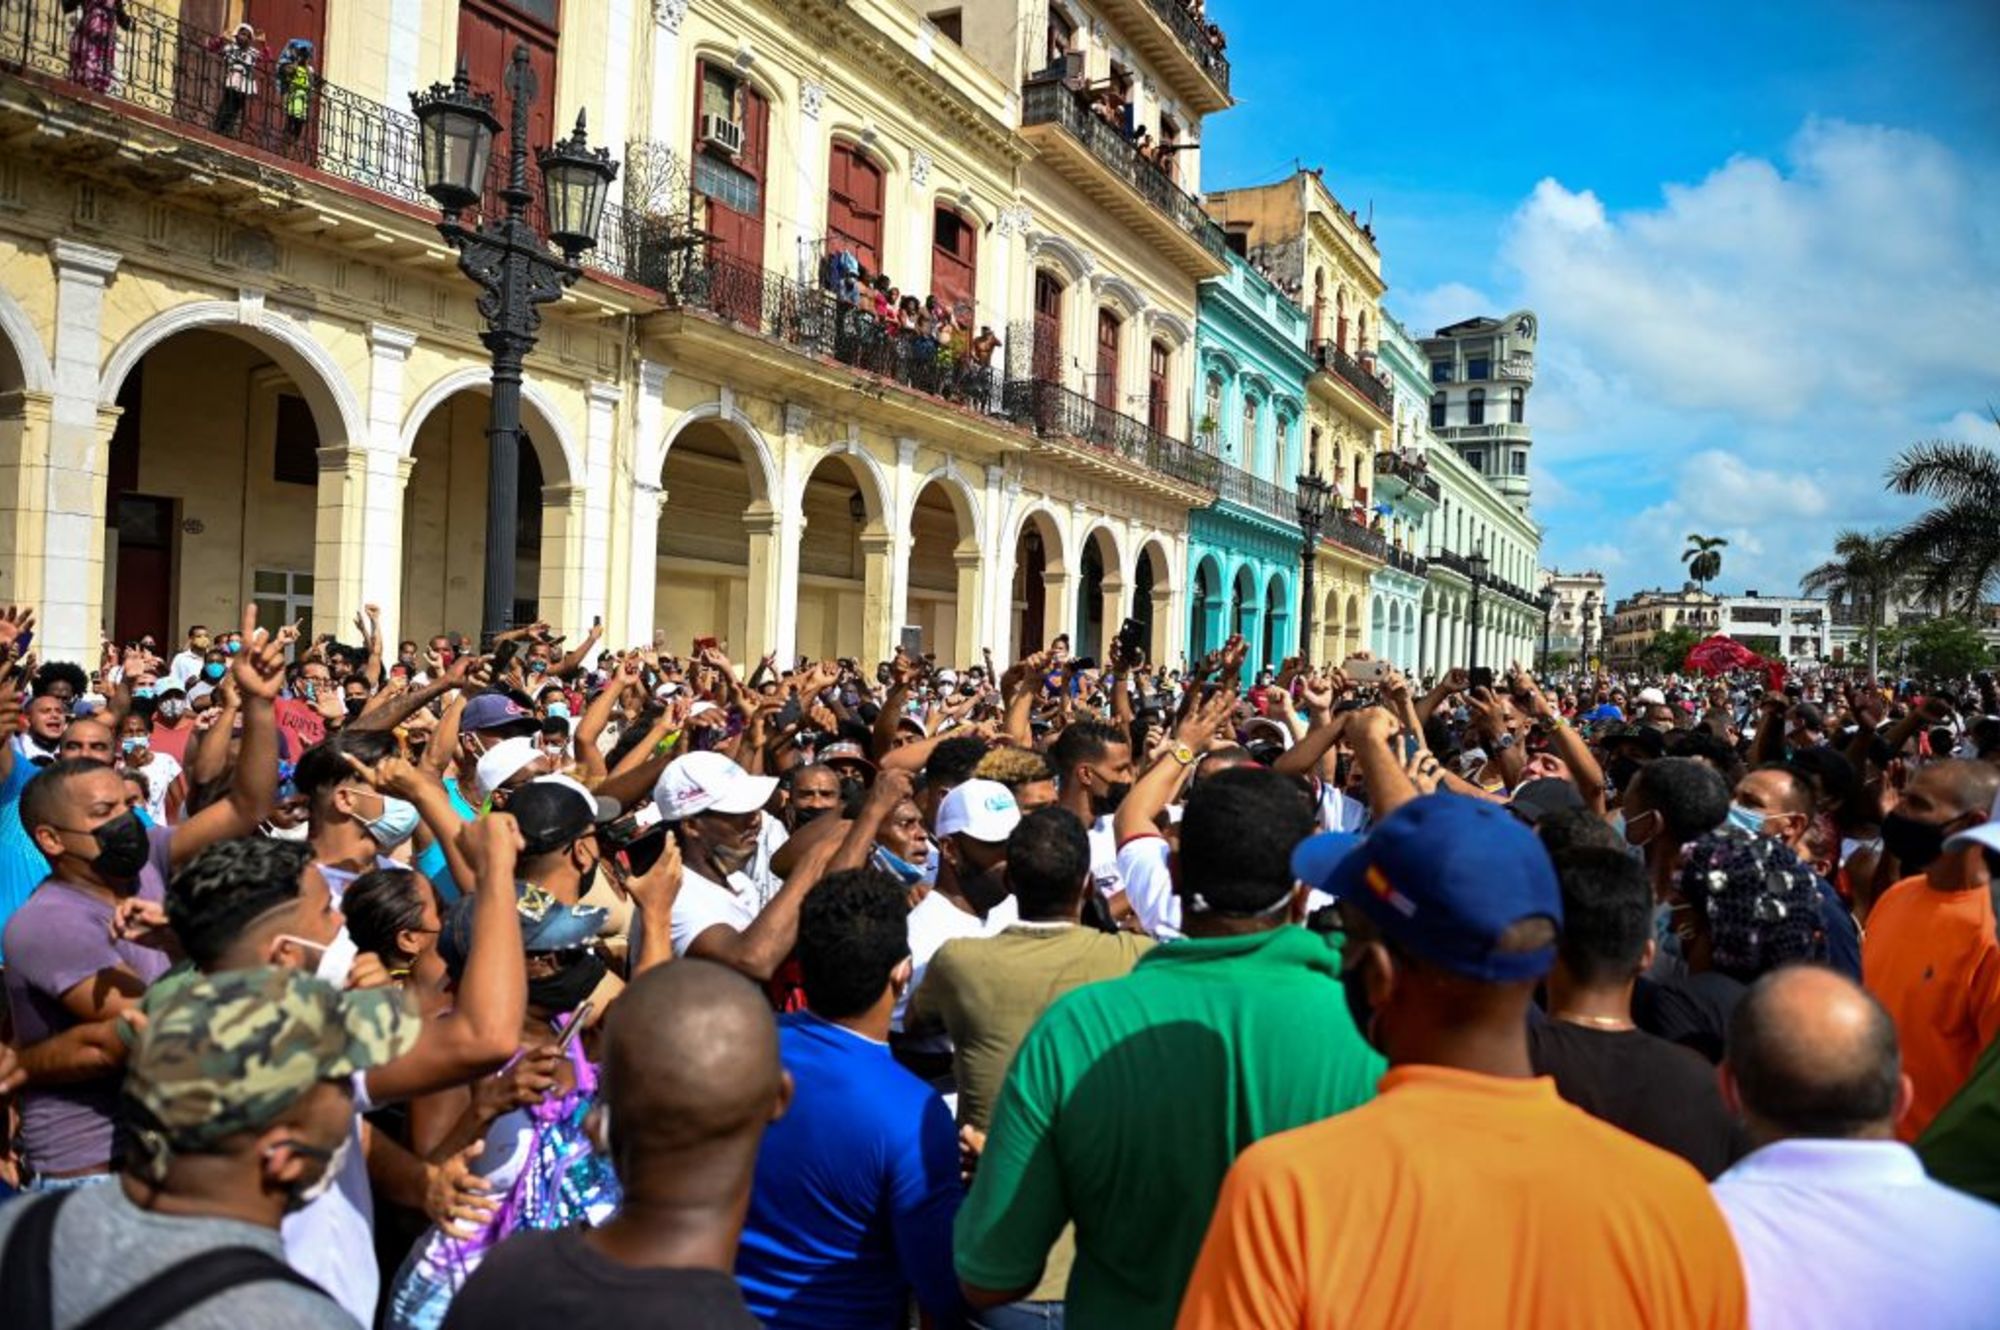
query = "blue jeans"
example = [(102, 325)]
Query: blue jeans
[(1020, 1316)]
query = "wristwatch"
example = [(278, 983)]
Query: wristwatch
[(1182, 754)]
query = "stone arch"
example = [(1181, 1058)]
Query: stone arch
[(749, 440), (1156, 545), (1121, 295), (30, 368), (335, 406), (869, 478), (964, 502), (540, 416), (1171, 328), (1059, 256), (1037, 601), (1112, 550)]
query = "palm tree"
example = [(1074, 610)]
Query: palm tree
[(1952, 551), (1703, 556), (1863, 570)]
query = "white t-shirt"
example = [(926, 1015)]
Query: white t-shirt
[(1149, 888), (159, 775), (934, 922), (332, 1240), (1104, 870), (1339, 811), (703, 902)]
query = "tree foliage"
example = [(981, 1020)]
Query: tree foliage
[(1865, 573), (1703, 556), (1669, 648), (1952, 551), (1944, 648)]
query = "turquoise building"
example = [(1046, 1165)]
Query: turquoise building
[(1244, 549)]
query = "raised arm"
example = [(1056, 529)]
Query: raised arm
[(259, 672)]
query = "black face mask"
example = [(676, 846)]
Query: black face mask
[(1915, 844), (354, 705), (122, 847), (566, 989), (803, 816), (1105, 804), (1622, 770)]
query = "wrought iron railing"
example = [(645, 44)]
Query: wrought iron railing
[(1407, 562), (1193, 34), (1047, 100), (1054, 411), (1412, 473), (1336, 361), (1253, 491), (185, 74), (1344, 530), (944, 362), (1453, 560)]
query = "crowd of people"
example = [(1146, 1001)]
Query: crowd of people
[(532, 983)]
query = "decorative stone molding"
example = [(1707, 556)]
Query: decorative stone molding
[(920, 168), (670, 14), (812, 97)]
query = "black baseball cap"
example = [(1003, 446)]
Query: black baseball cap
[(552, 811)]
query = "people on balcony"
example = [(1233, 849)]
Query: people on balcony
[(242, 52), (926, 343), (295, 82), (93, 46)]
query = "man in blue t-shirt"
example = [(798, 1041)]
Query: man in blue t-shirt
[(22, 866), (858, 1184)]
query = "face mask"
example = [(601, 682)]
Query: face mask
[(354, 705), (396, 823), (212, 671), (1105, 804), (802, 816), (566, 989), (143, 690), (1915, 844), (173, 708), (336, 1159), (559, 710), (336, 958), (232, 648), (131, 743), (538, 666), (145, 818), (122, 847), (1747, 819), (904, 871)]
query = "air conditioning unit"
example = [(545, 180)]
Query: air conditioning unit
[(722, 133)]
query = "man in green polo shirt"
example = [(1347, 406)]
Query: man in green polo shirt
[(1130, 1098)]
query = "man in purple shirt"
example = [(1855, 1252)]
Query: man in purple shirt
[(80, 949)]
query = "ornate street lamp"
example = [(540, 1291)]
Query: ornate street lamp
[(1547, 600), (1589, 620), (1313, 493), (512, 265), (1476, 567)]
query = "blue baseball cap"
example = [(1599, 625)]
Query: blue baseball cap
[(1445, 877)]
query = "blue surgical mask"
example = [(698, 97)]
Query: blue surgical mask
[(143, 690), (906, 872), (396, 824), (1747, 819), (233, 647), (560, 710), (131, 744), (145, 818), (212, 671)]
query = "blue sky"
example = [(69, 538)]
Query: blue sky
[(1763, 238)]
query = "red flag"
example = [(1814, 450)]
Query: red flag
[(1719, 655)]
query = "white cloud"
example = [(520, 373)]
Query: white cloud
[(1424, 312), (1745, 358)]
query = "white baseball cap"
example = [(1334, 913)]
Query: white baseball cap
[(1986, 835), (500, 763), (709, 783), (982, 809), (1652, 697)]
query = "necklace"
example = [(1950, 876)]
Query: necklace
[(1593, 1022)]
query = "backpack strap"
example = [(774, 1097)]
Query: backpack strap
[(174, 1290), (27, 1296)]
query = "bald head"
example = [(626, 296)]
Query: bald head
[(1954, 787), (1811, 1054), (690, 1058)]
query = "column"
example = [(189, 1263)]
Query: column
[(1058, 606), (24, 457), (631, 620), (764, 584), (71, 611), (902, 498), (338, 547), (966, 641), (791, 531), (664, 87), (559, 592), (593, 541), (387, 473), (878, 623)]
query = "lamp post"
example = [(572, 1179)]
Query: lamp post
[(1589, 621), (512, 264), (1476, 566), (1547, 600), (1312, 496)]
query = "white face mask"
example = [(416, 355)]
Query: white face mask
[(336, 958), (298, 833), (324, 1183)]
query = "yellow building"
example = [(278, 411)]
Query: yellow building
[(1319, 251), (1640, 617), (240, 363)]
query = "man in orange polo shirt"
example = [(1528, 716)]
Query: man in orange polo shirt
[(1468, 1192), (1929, 955)]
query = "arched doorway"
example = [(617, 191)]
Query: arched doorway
[(1152, 600), (843, 594), (1276, 632), (1353, 623), (1037, 592), (714, 510), (1246, 613), (1204, 621), (1100, 594), (1378, 637), (944, 575), (444, 519), (212, 486)]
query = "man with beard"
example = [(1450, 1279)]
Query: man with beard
[(812, 790), (1930, 956), (1094, 772), (727, 911)]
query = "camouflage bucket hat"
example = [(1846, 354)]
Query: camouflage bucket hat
[(230, 1052)]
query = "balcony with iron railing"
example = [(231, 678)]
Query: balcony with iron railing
[(173, 76), (1053, 411), (1411, 473), (1344, 531), (1408, 562), (1095, 156), (1252, 491), (1350, 371)]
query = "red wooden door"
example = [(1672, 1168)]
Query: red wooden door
[(282, 20), (1048, 328), (487, 35), (854, 206), (1107, 360), (954, 261), (145, 566), (734, 186), (1156, 388)]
